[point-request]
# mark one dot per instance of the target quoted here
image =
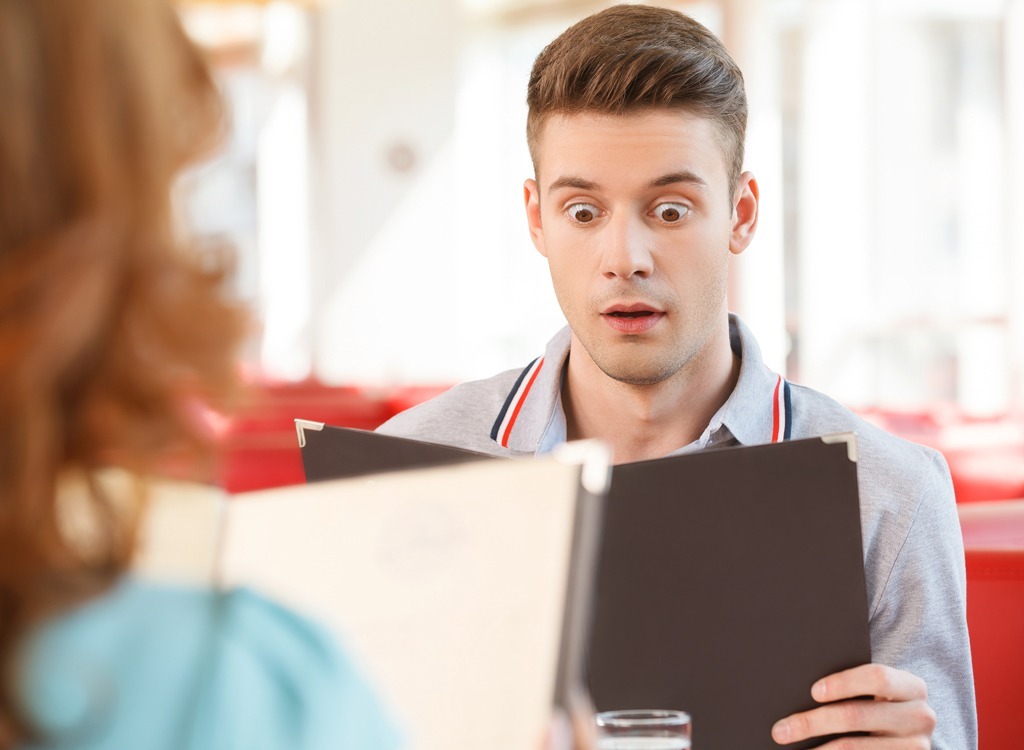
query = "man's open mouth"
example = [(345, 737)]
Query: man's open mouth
[(632, 319), (634, 314)]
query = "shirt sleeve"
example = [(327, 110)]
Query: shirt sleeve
[(277, 680), (920, 622)]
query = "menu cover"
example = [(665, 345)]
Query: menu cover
[(460, 592), (728, 581), (340, 452)]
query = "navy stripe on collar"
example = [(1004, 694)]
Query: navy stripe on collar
[(496, 429), (787, 433)]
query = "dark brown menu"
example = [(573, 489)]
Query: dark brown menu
[(728, 580), (342, 452)]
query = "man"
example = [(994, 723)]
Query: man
[(636, 126)]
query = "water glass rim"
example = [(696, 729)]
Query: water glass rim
[(639, 718)]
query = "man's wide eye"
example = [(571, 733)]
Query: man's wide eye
[(670, 213), (582, 213)]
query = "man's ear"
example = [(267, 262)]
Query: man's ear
[(744, 213), (531, 195)]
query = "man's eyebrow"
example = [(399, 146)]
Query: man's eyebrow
[(572, 182), (675, 178)]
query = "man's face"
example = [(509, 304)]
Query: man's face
[(636, 219)]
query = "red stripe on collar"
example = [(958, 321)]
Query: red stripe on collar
[(777, 411), (517, 405)]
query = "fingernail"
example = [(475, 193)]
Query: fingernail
[(560, 731), (780, 732), (819, 691)]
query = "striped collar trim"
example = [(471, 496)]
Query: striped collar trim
[(759, 410), (506, 421), (760, 407), (782, 411)]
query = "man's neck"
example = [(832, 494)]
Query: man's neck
[(647, 421)]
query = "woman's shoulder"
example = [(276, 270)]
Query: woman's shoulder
[(312, 694), (202, 668)]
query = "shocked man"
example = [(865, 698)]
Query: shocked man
[(636, 126)]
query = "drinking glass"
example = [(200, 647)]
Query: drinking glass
[(643, 730)]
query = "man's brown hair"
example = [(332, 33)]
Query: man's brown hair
[(631, 58)]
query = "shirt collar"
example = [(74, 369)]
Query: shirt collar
[(747, 413), (746, 416), (542, 406)]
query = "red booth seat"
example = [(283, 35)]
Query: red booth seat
[(259, 444), (985, 455), (986, 458), (919, 426), (994, 547), (274, 407), (257, 461), (990, 473)]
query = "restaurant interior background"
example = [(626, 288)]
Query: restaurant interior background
[(372, 183)]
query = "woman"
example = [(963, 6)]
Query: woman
[(108, 329)]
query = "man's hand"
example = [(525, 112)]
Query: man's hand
[(898, 717)]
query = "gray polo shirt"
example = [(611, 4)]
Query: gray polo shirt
[(913, 550)]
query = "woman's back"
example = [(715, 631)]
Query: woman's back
[(154, 666)]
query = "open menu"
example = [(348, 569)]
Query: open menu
[(728, 581), (461, 592)]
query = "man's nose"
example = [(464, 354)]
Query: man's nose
[(627, 249)]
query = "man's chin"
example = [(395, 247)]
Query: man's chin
[(632, 375), (636, 362)]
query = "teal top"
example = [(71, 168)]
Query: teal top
[(153, 666)]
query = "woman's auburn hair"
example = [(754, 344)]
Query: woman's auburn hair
[(109, 327)]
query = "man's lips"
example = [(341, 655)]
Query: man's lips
[(631, 319)]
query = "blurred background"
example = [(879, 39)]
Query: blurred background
[(372, 182)]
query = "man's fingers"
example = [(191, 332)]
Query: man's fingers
[(876, 680), (887, 719)]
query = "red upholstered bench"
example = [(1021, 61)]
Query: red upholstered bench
[(987, 474), (986, 458), (994, 546), (259, 460), (259, 444), (985, 455)]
